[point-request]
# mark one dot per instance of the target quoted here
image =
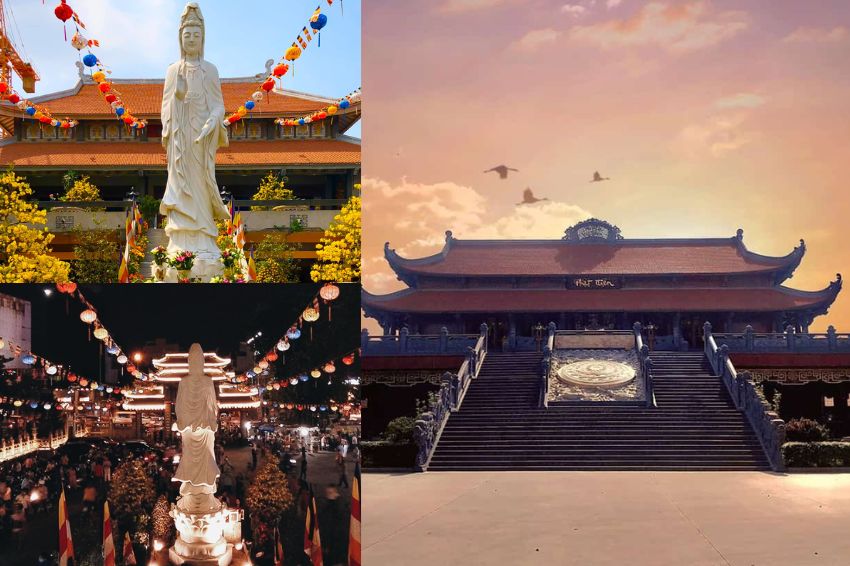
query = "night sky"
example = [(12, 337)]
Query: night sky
[(216, 316)]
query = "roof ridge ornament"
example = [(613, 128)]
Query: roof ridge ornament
[(592, 230), (740, 234)]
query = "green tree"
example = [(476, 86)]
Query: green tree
[(268, 496), (131, 495)]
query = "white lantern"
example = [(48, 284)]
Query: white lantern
[(88, 316), (122, 359), (282, 345), (329, 292), (263, 364), (51, 370)]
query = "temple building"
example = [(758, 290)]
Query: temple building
[(594, 278), (236, 402), (318, 160)]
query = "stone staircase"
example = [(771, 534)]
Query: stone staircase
[(694, 426)]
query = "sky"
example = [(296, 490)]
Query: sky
[(218, 317), (139, 40), (708, 116)]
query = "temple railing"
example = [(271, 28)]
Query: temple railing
[(645, 363), (768, 427), (28, 443), (405, 344), (429, 426), (788, 341), (546, 366)]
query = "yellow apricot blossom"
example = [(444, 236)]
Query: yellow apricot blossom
[(339, 249), (24, 240)]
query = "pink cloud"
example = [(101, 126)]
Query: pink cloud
[(460, 6), (674, 27), (574, 10), (817, 35), (536, 39)]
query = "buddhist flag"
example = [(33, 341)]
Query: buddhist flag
[(312, 541), (278, 548), (108, 545), (123, 270), (302, 42), (66, 544), (354, 545), (137, 215), (252, 267), (307, 34), (129, 555)]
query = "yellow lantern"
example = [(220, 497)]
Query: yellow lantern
[(329, 367), (101, 333), (88, 316), (99, 77), (263, 364), (331, 110), (242, 111), (310, 314), (292, 53), (316, 373)]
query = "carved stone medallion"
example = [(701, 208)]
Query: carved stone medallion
[(596, 373)]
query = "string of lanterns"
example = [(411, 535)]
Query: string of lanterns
[(105, 87), (40, 113), (343, 103), (317, 21)]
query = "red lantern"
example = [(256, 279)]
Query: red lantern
[(45, 120), (110, 98), (131, 368), (84, 382), (235, 118), (272, 356), (104, 87), (72, 378), (63, 11), (268, 85), (321, 115), (14, 98), (280, 70), (290, 406), (299, 407), (348, 360), (66, 125), (3, 88)]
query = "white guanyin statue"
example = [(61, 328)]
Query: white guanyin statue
[(198, 516), (192, 131)]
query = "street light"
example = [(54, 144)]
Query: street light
[(137, 357), (48, 291)]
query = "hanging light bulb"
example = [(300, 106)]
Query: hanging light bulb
[(282, 345)]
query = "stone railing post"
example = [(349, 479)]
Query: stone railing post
[(403, 335), (706, 331), (484, 332), (364, 341), (723, 357), (552, 329), (831, 338), (749, 339), (512, 340), (444, 339), (789, 337)]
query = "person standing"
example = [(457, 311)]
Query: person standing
[(253, 456), (340, 464)]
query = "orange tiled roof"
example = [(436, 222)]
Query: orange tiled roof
[(144, 99), (152, 155)]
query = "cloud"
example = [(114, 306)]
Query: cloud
[(613, 3), (535, 39), (574, 10), (414, 218), (460, 6), (677, 28), (817, 35), (718, 135), (740, 100)]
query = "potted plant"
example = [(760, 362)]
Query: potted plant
[(160, 259), (229, 259), (183, 262)]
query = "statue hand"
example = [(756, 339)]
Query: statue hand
[(204, 132)]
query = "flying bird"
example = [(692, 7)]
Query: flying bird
[(597, 178), (529, 198), (502, 170)]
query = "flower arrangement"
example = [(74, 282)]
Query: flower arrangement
[(230, 257), (183, 261), (160, 255)]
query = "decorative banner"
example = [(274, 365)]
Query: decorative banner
[(342, 104), (132, 227), (316, 22), (106, 88)]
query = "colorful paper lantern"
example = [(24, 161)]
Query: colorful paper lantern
[(18, 403), (30, 110), (72, 378), (304, 377), (88, 316), (331, 110), (63, 11), (310, 314), (250, 104), (90, 60), (280, 70), (51, 370), (292, 53), (104, 87), (282, 345), (316, 373), (263, 364), (257, 96), (78, 41), (293, 381), (348, 360), (329, 367), (293, 333), (112, 350), (14, 98), (319, 22), (122, 359), (272, 356), (101, 333), (268, 86), (276, 386), (28, 359), (110, 98), (343, 104), (329, 292)]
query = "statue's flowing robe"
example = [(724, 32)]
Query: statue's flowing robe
[(197, 421), (192, 98)]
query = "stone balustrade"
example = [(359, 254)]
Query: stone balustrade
[(788, 341), (768, 427), (404, 343), (448, 399), (645, 362), (28, 443), (546, 365)]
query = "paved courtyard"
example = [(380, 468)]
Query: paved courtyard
[(606, 518)]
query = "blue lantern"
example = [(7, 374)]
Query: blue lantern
[(90, 60), (250, 374), (304, 377), (344, 103), (30, 110), (293, 333), (323, 407), (317, 24), (250, 105), (113, 350), (28, 359), (119, 111), (301, 122), (33, 404)]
